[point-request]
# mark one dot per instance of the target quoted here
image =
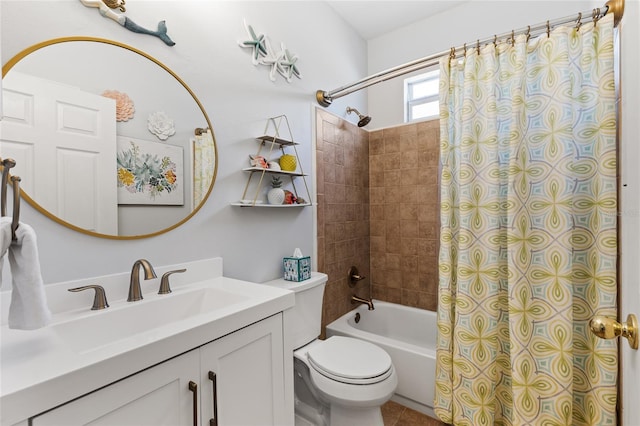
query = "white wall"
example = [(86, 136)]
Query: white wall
[(466, 23), (238, 98)]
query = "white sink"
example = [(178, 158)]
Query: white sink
[(105, 327)]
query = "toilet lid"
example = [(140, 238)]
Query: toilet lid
[(350, 360)]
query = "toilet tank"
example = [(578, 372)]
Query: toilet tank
[(306, 315)]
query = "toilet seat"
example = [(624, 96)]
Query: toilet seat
[(350, 361)]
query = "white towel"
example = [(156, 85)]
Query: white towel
[(5, 240), (28, 309)]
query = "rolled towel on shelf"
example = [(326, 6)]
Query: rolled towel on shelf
[(28, 309)]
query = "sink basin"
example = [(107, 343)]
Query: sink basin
[(101, 328)]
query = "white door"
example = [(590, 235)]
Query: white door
[(630, 206), (64, 143)]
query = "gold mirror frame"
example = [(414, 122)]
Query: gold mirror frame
[(13, 61)]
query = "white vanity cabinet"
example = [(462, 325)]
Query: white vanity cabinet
[(157, 396), (132, 364), (247, 366)]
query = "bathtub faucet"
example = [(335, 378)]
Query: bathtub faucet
[(368, 302)]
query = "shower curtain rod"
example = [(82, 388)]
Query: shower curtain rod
[(325, 98)]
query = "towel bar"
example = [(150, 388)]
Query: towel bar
[(7, 164)]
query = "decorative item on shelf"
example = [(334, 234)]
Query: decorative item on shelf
[(258, 161), (297, 267), (274, 166), (288, 163), (124, 105), (161, 125), (276, 194), (289, 197)]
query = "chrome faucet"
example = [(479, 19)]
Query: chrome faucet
[(135, 293), (368, 302)]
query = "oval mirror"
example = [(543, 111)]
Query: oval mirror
[(107, 140)]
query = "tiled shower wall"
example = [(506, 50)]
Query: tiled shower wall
[(342, 150), (405, 214), (378, 209)]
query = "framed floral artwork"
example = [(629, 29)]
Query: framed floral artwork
[(149, 173)]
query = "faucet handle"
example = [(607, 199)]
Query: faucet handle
[(164, 281), (354, 276), (99, 299)]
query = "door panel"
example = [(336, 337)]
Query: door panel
[(630, 206), (64, 144)]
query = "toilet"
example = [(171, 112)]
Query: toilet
[(340, 381)]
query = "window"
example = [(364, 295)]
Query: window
[(421, 96)]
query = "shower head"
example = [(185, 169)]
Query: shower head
[(364, 119)]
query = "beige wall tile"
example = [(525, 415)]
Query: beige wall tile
[(378, 210), (392, 178), (392, 161), (345, 206), (376, 179), (376, 143)]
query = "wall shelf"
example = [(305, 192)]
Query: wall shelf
[(277, 172), (272, 141), (277, 140), (285, 206)]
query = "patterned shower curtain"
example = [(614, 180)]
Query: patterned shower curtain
[(528, 242)]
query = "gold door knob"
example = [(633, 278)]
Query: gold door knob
[(609, 328)]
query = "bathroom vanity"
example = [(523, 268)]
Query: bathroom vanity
[(211, 352)]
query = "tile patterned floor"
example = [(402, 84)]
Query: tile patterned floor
[(395, 414)]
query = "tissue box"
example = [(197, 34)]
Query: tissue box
[(297, 268)]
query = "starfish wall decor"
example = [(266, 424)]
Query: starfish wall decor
[(262, 53)]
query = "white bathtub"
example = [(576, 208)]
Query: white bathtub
[(409, 336)]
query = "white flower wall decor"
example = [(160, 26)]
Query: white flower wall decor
[(280, 61), (161, 125)]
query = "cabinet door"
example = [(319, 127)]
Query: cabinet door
[(157, 396), (249, 375)]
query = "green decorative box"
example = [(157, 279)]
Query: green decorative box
[(297, 268)]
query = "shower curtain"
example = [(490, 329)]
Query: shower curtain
[(528, 241)]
